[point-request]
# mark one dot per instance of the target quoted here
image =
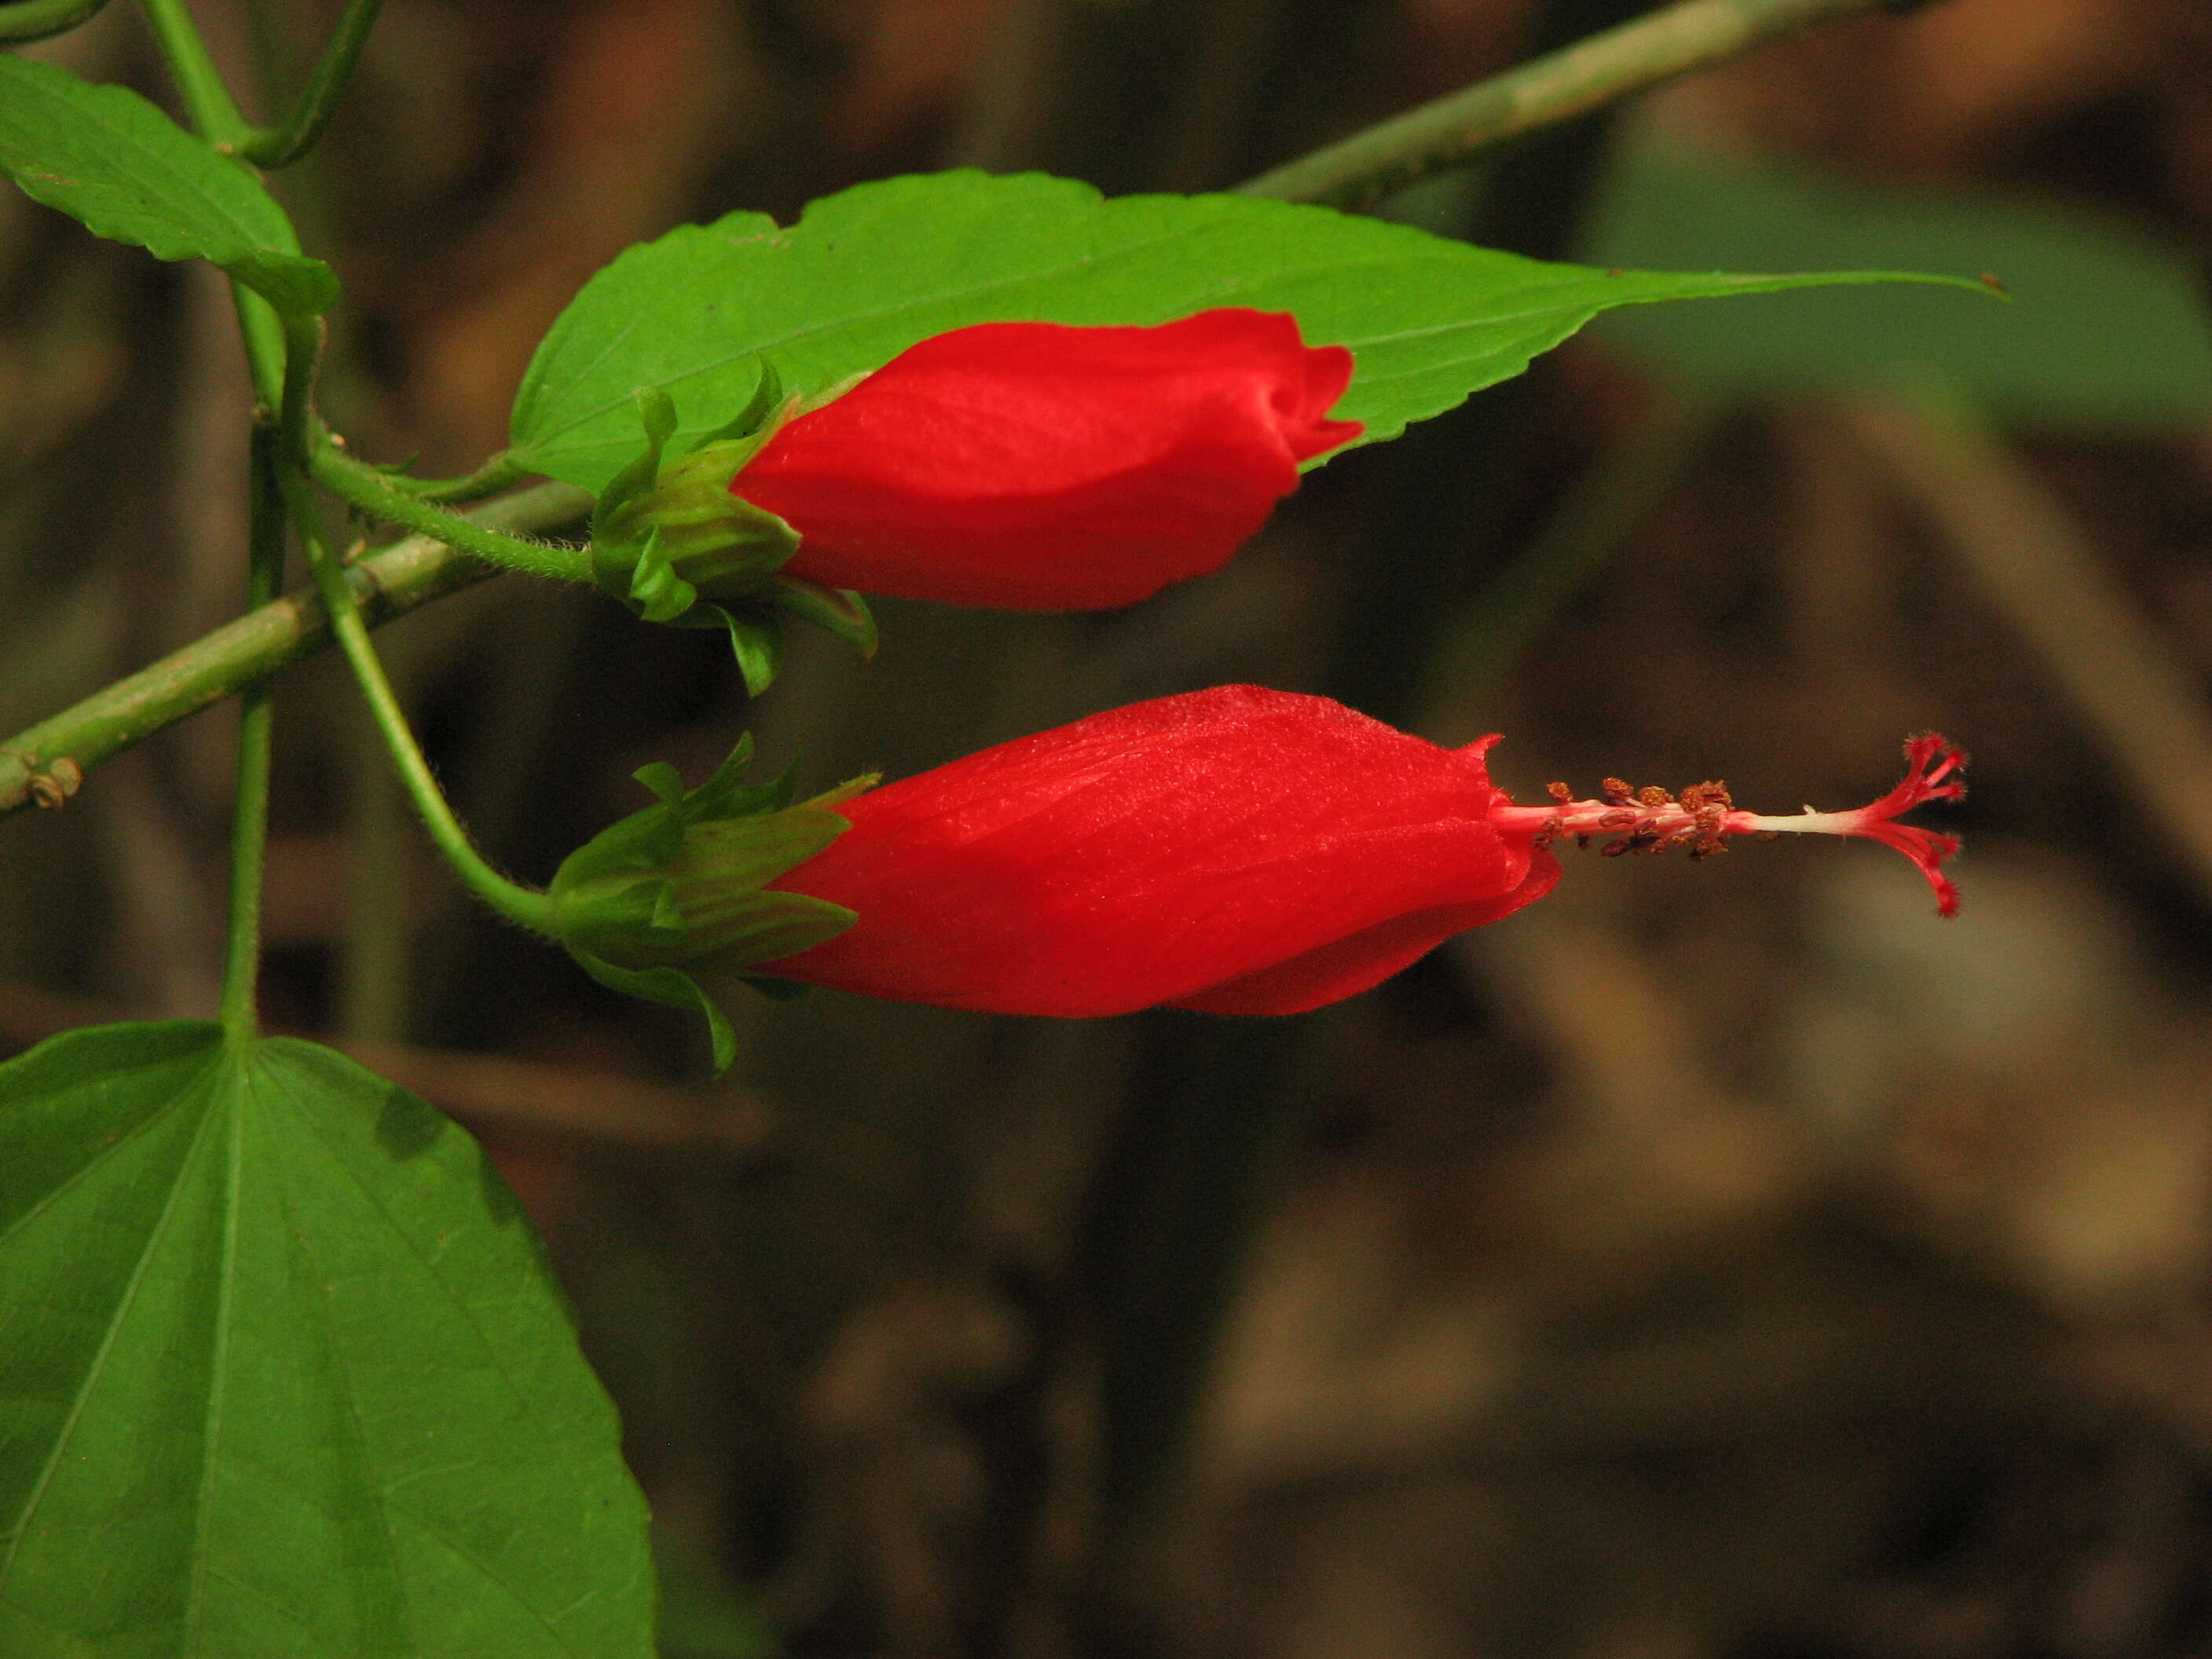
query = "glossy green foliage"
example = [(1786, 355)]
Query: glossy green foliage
[(118, 166), (2108, 330), (282, 1373), (869, 272)]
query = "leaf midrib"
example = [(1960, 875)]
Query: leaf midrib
[(1049, 273), (21, 1527), (219, 1359)]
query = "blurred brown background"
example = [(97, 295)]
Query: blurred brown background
[(1723, 1261)]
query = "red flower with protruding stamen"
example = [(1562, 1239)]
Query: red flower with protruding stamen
[(1237, 851), (1039, 467)]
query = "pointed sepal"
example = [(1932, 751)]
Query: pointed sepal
[(668, 535), (671, 988), (756, 641), (836, 610), (683, 884)]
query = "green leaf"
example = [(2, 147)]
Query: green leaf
[(2108, 329), (122, 168), (867, 273), (282, 1373)]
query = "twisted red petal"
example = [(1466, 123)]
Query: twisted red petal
[(1036, 466)]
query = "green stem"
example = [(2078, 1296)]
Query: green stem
[(35, 20), (249, 830), (1558, 87), (263, 332), (286, 142), (389, 584), (523, 905), (214, 115), (500, 472), (367, 489), (208, 101), (303, 341)]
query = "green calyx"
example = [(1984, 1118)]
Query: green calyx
[(681, 886), (670, 540)]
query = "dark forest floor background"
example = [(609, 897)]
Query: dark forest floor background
[(1725, 1261)]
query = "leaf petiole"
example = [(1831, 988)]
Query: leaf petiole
[(500, 472), (286, 142), (249, 832)]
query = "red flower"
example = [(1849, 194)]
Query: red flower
[(1238, 850), (1036, 466)]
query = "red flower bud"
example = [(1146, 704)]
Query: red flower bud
[(1036, 466), (1238, 850)]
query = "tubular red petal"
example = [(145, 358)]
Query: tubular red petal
[(1239, 849), (1346, 967), (1042, 466)]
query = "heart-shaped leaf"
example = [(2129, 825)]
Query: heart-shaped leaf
[(281, 1372)]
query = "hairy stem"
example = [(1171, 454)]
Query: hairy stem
[(1555, 88), (367, 488), (520, 904), (500, 472), (292, 138)]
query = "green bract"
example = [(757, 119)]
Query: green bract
[(681, 885), (670, 540)]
